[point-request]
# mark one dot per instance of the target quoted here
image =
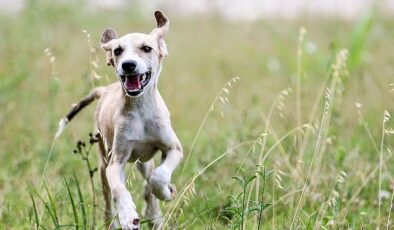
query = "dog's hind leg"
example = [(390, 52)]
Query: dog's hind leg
[(151, 209), (109, 216)]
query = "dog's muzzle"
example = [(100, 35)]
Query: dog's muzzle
[(134, 84)]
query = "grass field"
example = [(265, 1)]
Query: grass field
[(284, 124)]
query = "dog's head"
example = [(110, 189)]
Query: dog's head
[(137, 57)]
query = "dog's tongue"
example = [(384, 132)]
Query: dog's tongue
[(133, 83)]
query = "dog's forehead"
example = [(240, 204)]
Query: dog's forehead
[(137, 39)]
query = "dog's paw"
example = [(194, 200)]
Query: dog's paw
[(155, 220), (166, 192), (127, 224), (127, 214), (161, 187), (157, 224)]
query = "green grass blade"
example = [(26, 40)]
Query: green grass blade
[(51, 201), (68, 226), (82, 202), (360, 35), (34, 207), (49, 210), (76, 220)]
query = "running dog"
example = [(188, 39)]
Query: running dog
[(134, 123)]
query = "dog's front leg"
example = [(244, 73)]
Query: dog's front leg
[(160, 179), (124, 205)]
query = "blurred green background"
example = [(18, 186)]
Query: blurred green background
[(50, 58)]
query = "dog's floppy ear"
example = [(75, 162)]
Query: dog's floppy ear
[(162, 29), (108, 36)]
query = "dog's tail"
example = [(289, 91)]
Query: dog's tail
[(94, 94)]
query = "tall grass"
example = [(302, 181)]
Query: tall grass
[(301, 135)]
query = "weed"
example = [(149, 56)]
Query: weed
[(84, 151)]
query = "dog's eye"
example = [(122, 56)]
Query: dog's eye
[(118, 51), (146, 49)]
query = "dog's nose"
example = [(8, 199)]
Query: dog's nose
[(129, 66)]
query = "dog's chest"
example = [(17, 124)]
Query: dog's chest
[(144, 134), (142, 127)]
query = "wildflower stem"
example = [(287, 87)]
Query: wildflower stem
[(380, 167), (91, 179), (391, 207)]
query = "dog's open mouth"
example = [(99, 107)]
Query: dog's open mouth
[(133, 84)]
